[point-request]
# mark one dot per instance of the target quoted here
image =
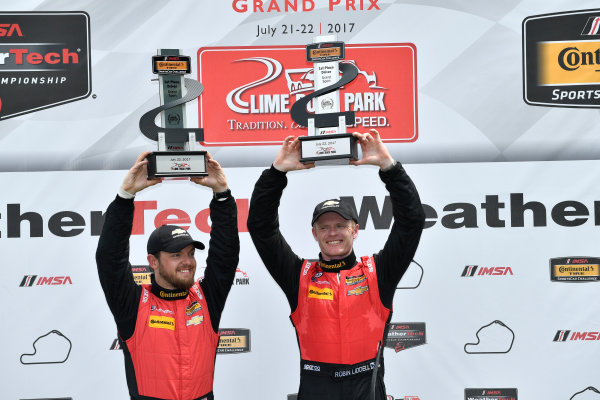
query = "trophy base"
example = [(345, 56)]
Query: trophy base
[(328, 147), (163, 164)]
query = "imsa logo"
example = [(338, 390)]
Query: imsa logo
[(34, 280), (475, 270), (116, 345), (569, 336)]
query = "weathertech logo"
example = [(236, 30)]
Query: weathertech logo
[(34, 280), (402, 336), (568, 336), (44, 60), (475, 270)]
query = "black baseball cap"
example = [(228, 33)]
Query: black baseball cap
[(170, 238), (338, 206)]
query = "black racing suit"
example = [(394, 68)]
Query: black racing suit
[(285, 266), (123, 294)]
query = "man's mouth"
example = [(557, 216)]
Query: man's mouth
[(184, 271)]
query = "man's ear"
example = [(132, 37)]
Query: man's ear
[(314, 232), (152, 261), (355, 231)]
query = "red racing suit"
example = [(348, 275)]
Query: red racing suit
[(173, 335), (169, 337), (339, 318)]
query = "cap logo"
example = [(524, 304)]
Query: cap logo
[(178, 232), (331, 203)]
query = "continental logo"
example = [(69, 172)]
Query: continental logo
[(320, 293), (582, 270), (562, 59), (570, 63), (357, 291), (575, 269), (337, 265), (330, 52), (232, 341), (193, 308), (196, 320), (354, 280), (174, 295), (158, 321)]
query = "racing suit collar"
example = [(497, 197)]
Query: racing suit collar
[(167, 294), (337, 265)]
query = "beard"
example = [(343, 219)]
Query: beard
[(178, 282)]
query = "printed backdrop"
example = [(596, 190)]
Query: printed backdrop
[(500, 302)]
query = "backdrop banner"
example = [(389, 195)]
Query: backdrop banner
[(482, 312)]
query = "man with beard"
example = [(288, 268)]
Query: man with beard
[(168, 330), (339, 304)]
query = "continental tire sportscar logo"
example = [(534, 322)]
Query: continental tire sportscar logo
[(575, 269), (141, 274), (561, 55), (234, 340), (44, 60)]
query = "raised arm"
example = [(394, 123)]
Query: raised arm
[(395, 257), (263, 220), (112, 254), (224, 244)]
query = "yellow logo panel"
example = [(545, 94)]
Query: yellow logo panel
[(320, 293), (576, 270), (158, 321), (569, 63)]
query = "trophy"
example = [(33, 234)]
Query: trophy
[(327, 137), (177, 154)]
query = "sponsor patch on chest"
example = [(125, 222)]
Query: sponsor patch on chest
[(159, 321), (316, 292), (193, 308), (357, 291), (155, 308), (196, 320), (355, 280)]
